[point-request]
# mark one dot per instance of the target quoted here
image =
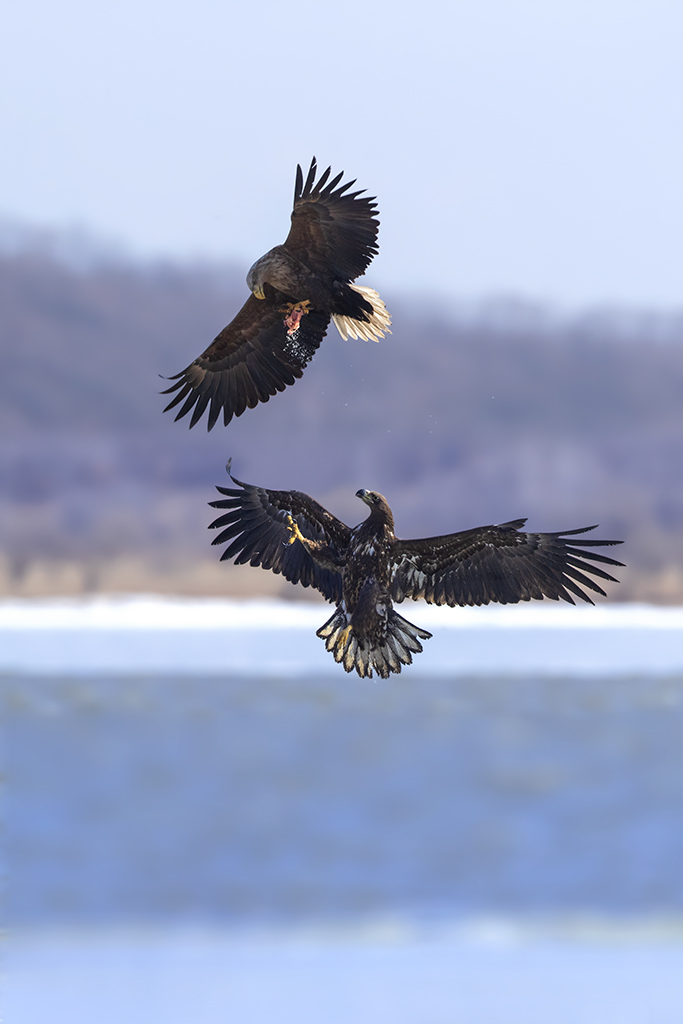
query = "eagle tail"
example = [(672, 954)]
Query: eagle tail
[(377, 323), (361, 653)]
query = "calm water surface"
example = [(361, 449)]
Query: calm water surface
[(250, 800)]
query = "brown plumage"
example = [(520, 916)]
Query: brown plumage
[(296, 289), (365, 570)]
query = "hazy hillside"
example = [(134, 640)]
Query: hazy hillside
[(458, 419)]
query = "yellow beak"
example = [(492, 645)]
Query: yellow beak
[(259, 292)]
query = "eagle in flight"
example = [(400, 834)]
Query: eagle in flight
[(296, 289), (366, 569)]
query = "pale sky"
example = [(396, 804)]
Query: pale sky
[(516, 147)]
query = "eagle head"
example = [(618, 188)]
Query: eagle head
[(279, 270), (372, 498), (255, 279), (378, 505)]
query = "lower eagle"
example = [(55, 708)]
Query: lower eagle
[(366, 569)]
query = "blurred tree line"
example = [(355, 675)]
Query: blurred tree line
[(460, 417)]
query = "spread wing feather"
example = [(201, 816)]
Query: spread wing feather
[(255, 527), (332, 229), (252, 359), (498, 563)]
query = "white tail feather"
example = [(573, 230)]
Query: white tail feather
[(368, 330)]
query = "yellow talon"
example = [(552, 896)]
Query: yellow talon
[(294, 530), (302, 307)]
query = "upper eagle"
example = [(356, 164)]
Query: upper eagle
[(296, 289), (364, 570)]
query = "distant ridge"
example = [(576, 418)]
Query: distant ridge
[(502, 410)]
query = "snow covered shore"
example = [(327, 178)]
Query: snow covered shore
[(155, 634)]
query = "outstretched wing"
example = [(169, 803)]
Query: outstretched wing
[(254, 357), (256, 527), (498, 563), (332, 231)]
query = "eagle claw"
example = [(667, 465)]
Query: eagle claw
[(295, 311), (294, 530)]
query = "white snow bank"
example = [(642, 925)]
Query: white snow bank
[(155, 634), (499, 975)]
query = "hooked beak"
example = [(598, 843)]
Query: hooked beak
[(259, 292), (362, 494)]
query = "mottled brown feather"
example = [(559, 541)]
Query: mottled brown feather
[(500, 564)]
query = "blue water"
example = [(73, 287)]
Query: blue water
[(235, 801), (430, 849)]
